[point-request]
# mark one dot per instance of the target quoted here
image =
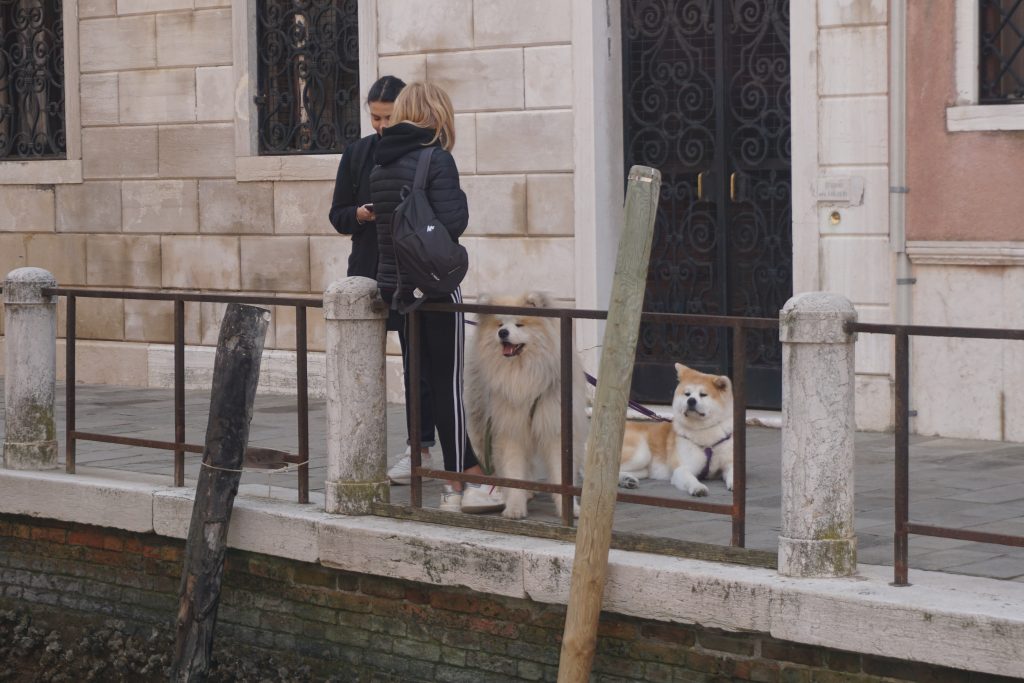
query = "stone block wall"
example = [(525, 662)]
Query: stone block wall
[(508, 68), (159, 205), (852, 238), (345, 626), (168, 198)]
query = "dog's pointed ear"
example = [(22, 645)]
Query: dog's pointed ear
[(723, 383), (484, 299), (680, 368), (538, 299)]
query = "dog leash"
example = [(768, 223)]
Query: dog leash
[(643, 410), (708, 452)]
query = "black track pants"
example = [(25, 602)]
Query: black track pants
[(442, 345)]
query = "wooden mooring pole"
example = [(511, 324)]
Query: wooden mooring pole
[(600, 471), (235, 376)]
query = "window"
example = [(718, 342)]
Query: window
[(307, 98), (989, 66), (1001, 59), (32, 94)]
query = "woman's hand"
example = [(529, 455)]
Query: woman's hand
[(365, 214)]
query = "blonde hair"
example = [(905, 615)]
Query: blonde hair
[(427, 106)]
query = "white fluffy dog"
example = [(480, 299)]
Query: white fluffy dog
[(513, 396)]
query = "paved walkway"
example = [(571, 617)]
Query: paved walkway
[(957, 483)]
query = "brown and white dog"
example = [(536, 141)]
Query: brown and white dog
[(695, 445), (513, 396)]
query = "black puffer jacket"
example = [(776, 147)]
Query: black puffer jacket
[(396, 168), (352, 190)]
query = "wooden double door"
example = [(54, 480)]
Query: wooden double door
[(706, 92)]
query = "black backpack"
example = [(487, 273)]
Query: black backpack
[(426, 256)]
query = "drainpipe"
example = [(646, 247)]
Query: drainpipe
[(898, 189), (898, 159)]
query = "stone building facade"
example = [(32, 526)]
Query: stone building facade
[(163, 187)]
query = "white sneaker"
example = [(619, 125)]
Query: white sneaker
[(451, 501), (401, 472), (477, 499)]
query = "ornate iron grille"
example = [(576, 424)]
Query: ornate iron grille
[(1001, 63), (32, 80), (308, 75), (706, 97), (670, 111), (760, 250)]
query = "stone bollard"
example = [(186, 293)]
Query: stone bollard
[(356, 407), (30, 360), (818, 537)]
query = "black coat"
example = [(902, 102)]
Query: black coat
[(396, 168), (352, 190)]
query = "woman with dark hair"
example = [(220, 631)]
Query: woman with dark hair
[(351, 211), (352, 214)]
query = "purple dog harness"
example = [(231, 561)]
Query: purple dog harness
[(708, 452)]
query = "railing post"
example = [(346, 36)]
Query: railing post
[(818, 536), (30, 379), (356, 420)]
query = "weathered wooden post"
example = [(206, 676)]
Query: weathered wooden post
[(356, 408), (818, 384), (600, 472), (235, 376), (30, 367)]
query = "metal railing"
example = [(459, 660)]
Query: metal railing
[(903, 526), (736, 510), (179, 446)]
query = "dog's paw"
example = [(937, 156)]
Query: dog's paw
[(683, 481), (515, 511), (628, 481), (515, 504), (728, 484), (698, 490)]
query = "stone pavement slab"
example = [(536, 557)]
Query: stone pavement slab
[(954, 482)]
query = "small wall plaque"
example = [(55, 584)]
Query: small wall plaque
[(847, 190)]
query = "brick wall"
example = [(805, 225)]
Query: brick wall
[(359, 627)]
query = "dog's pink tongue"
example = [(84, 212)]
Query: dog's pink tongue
[(508, 349)]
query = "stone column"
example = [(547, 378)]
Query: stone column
[(30, 370), (356, 409), (818, 537)]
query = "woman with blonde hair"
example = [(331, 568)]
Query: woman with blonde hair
[(423, 117), (352, 214)]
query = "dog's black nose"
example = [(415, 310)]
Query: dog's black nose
[(692, 402), (503, 333)]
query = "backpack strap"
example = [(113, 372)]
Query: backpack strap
[(420, 181), (406, 309)]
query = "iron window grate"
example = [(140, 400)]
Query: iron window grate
[(32, 80), (308, 76), (1001, 59)]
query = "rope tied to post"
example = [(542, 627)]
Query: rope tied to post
[(285, 468)]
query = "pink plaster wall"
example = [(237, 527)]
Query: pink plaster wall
[(963, 186)]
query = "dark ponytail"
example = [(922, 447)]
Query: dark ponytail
[(385, 89)]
